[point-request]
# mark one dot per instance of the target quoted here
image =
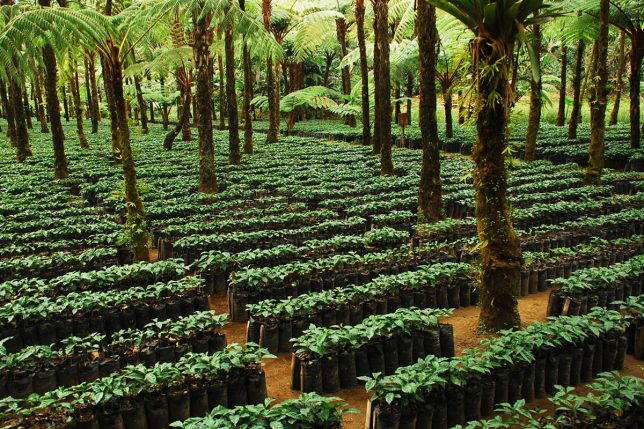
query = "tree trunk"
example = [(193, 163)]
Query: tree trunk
[(88, 92), (109, 97), (9, 114), (341, 33), (61, 170), (141, 103), (637, 52), (27, 109), (409, 95), (248, 93), (78, 108), (328, 60), (65, 103), (447, 101), (376, 85), (23, 149), (138, 232), (397, 104), (222, 94), (383, 87), (96, 110), (598, 100), (201, 53), (534, 115), (271, 81), (500, 248), (234, 155), (619, 81), (589, 67), (561, 110), (429, 195), (183, 118), (42, 118), (364, 72), (576, 88)]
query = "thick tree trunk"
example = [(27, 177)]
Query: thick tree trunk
[(109, 97), (141, 102), (377, 144), (222, 94), (23, 149), (135, 212), (576, 88), (561, 109), (78, 108), (500, 247), (619, 81), (183, 118), (234, 154), (383, 87), (534, 115), (429, 195), (9, 114), (341, 33), (637, 52), (364, 72), (88, 93), (271, 81), (201, 53), (598, 100), (61, 170)]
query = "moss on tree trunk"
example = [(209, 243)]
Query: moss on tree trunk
[(500, 248), (636, 55), (61, 169), (429, 195), (383, 87), (598, 100), (141, 103), (364, 72)]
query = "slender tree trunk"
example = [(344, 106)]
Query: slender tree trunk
[(636, 55), (96, 111), (576, 88), (364, 72), (500, 249), (42, 117), (222, 94), (341, 33), (141, 103), (561, 110), (88, 90), (65, 103), (78, 108), (234, 155), (429, 195), (183, 118), (271, 82), (447, 100), (109, 97), (201, 53), (27, 109), (534, 116), (598, 100), (9, 114), (409, 94), (589, 71), (397, 104), (248, 93), (61, 170), (619, 81), (383, 87), (135, 212), (23, 149)]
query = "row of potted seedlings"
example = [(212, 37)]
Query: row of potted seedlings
[(41, 320), (274, 323), (613, 401), (112, 277), (40, 369), (597, 286), (633, 308), (217, 267), (249, 286), (327, 359), (139, 396), (307, 411), (440, 393), (67, 245)]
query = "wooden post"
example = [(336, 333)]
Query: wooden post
[(403, 121)]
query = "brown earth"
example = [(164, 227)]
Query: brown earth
[(464, 320)]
